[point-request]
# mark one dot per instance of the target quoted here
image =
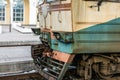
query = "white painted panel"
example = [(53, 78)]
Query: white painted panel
[(65, 17)]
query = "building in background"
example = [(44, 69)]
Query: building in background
[(18, 11), (15, 48)]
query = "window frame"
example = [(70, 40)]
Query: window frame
[(18, 12), (2, 13)]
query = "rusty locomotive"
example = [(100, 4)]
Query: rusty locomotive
[(80, 39)]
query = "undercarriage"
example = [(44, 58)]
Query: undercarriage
[(99, 66), (82, 67)]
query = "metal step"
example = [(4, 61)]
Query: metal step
[(50, 70), (48, 67)]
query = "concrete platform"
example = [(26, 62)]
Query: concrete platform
[(15, 52), (16, 38)]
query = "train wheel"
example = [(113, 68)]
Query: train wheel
[(84, 69), (96, 68)]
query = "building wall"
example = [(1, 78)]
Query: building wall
[(33, 13), (26, 12), (29, 13)]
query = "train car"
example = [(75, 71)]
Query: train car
[(80, 39)]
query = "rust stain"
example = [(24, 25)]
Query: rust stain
[(60, 7), (88, 22), (49, 31), (64, 57)]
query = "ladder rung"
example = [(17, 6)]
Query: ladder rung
[(56, 63), (50, 69), (51, 65)]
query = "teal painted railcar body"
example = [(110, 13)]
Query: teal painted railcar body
[(100, 38)]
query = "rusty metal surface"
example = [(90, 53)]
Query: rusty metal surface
[(60, 7), (100, 38), (52, 66), (64, 57)]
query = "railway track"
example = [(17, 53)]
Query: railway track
[(32, 76), (36, 76)]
